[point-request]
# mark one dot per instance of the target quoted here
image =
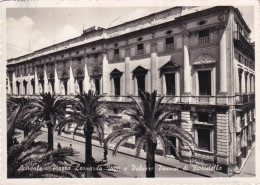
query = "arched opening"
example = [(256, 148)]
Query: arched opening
[(65, 77), (52, 82), (41, 82), (25, 87), (33, 85), (18, 87)]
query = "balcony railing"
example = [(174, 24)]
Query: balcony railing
[(203, 40), (169, 47), (140, 52), (204, 100), (245, 98)]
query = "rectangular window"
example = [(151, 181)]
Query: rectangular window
[(141, 83), (204, 139), (97, 85), (203, 116), (140, 49), (117, 86), (203, 36), (204, 82), (116, 51), (170, 83), (116, 54), (169, 43)]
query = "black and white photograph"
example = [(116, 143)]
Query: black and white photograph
[(130, 92)]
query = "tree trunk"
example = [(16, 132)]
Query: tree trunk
[(150, 160), (88, 147), (50, 137)]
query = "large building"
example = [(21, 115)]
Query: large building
[(202, 57)]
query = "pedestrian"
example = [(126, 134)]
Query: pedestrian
[(59, 146)]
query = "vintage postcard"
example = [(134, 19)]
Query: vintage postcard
[(113, 92)]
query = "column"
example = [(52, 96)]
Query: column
[(187, 68), (46, 89), (56, 79), (86, 82), (248, 83), (112, 90), (236, 79), (177, 83), (163, 85), (36, 81), (71, 80), (14, 83), (222, 61), (29, 84), (105, 75), (253, 84), (135, 87), (148, 81), (127, 72), (122, 84), (154, 66)]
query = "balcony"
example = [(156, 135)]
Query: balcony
[(245, 98), (169, 47), (116, 57), (203, 40), (242, 43), (202, 100), (140, 52)]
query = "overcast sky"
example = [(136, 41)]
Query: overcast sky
[(29, 29)]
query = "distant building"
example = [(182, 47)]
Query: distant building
[(200, 56)]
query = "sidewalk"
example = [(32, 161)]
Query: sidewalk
[(166, 161)]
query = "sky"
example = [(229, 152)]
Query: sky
[(30, 29)]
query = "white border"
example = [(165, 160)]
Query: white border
[(119, 3)]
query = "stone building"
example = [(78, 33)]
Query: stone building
[(201, 57)]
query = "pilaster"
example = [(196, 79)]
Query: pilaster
[(187, 68), (127, 72), (222, 61), (56, 79), (105, 75), (46, 89), (71, 79), (153, 66)]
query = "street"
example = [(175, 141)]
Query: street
[(129, 166)]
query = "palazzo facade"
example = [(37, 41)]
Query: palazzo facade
[(200, 56)]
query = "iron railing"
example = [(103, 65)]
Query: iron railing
[(203, 40)]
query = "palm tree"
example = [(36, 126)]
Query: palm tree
[(21, 103), (89, 113), (148, 124), (48, 109), (15, 117)]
